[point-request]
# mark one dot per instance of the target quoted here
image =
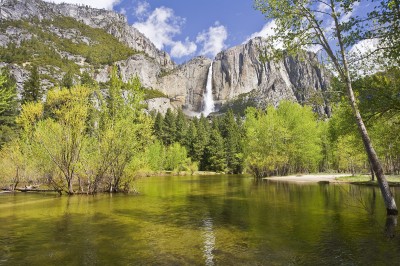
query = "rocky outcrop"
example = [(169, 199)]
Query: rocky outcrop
[(186, 84), (140, 65), (114, 23), (239, 71)]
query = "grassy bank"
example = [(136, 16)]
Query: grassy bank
[(394, 180)]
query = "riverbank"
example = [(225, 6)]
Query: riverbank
[(309, 178), (393, 180), (335, 178)]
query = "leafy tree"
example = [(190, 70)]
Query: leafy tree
[(176, 158), (156, 156), (281, 140), (32, 91), (299, 25), (125, 131), (63, 138)]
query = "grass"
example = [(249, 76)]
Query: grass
[(393, 180)]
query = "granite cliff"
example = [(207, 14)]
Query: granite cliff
[(238, 72)]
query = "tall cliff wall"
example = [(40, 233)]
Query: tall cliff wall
[(238, 72)]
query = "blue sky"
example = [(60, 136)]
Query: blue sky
[(189, 28)]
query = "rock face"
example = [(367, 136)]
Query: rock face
[(239, 71), (187, 83), (115, 24)]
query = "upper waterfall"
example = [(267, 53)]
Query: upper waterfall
[(208, 101)]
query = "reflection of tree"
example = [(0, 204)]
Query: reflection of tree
[(390, 226)]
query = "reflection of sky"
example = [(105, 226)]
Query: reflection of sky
[(209, 241)]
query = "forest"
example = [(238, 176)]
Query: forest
[(87, 137)]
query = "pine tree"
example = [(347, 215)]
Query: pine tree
[(8, 107), (32, 91), (158, 127), (233, 147), (169, 128), (215, 156), (181, 127), (67, 80)]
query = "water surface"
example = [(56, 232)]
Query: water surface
[(207, 220)]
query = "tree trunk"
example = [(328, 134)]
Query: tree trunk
[(70, 189), (390, 204), (372, 171)]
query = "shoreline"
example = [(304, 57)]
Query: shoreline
[(308, 178)]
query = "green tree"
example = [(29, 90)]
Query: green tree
[(169, 127), (214, 154), (8, 107), (181, 126), (159, 126), (299, 25), (282, 140), (87, 80), (67, 80), (125, 131), (63, 138), (176, 158), (232, 134), (32, 91)]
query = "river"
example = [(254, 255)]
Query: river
[(206, 220)]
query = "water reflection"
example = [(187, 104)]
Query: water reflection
[(390, 226), (209, 241)]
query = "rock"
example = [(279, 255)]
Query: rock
[(114, 23), (239, 71), (160, 105), (186, 84)]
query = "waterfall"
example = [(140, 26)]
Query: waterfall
[(208, 101)]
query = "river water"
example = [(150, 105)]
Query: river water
[(207, 220)]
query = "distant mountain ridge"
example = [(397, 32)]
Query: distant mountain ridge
[(88, 39)]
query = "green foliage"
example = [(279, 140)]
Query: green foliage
[(282, 140), (214, 154), (152, 93), (8, 107), (67, 80), (169, 128), (233, 135), (176, 158), (32, 91), (83, 142), (102, 48)]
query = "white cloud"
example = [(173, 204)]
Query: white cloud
[(365, 59), (107, 4), (180, 49), (122, 11), (142, 9), (266, 31), (161, 26), (213, 40)]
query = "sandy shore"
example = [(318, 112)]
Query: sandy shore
[(307, 178)]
